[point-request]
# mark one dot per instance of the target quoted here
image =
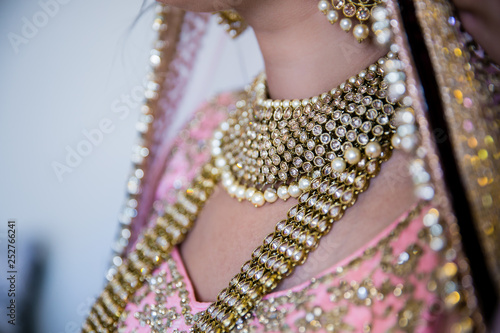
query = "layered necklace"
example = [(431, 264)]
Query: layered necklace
[(322, 151)]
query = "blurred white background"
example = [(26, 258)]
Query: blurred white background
[(63, 64)]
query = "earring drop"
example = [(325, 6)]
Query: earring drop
[(350, 10)]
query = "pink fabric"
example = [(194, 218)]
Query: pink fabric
[(193, 29), (381, 291)]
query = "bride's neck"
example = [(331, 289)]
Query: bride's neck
[(304, 54)]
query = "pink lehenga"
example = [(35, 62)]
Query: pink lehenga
[(422, 273), (388, 284)]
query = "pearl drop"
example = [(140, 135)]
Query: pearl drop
[(258, 199), (283, 192), (216, 151), (232, 189), (249, 192), (270, 195), (240, 192), (323, 5), (332, 16), (396, 141), (352, 155), (294, 190), (218, 135), (227, 182), (345, 24), (338, 164), (304, 183), (373, 149), (220, 162), (360, 31)]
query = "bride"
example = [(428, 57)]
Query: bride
[(318, 197)]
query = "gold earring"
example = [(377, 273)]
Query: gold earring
[(360, 9), (232, 22)]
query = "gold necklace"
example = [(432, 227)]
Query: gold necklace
[(332, 187), (270, 149)]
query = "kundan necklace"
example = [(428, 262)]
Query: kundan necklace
[(270, 149), (322, 151)]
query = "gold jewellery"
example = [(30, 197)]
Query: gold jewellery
[(232, 22), (360, 9), (351, 128), (269, 149)]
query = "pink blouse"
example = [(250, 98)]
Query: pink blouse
[(391, 284)]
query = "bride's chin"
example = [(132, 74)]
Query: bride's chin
[(199, 5)]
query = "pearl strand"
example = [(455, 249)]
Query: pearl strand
[(258, 198)]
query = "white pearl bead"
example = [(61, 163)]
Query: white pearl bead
[(226, 175), (227, 182), (379, 13), (220, 162), (240, 192), (294, 190), (396, 141), (249, 192), (216, 151), (304, 183), (232, 189), (218, 135), (373, 149), (283, 192), (338, 164), (352, 155), (323, 5), (270, 195), (360, 31), (345, 24), (408, 142), (258, 199), (424, 191), (332, 16)]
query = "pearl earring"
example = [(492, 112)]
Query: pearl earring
[(350, 9), (232, 22)]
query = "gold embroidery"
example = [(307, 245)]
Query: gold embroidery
[(161, 315)]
